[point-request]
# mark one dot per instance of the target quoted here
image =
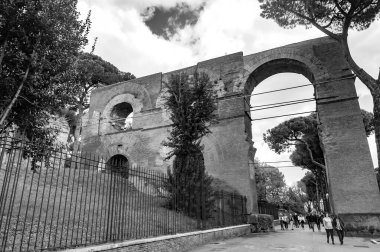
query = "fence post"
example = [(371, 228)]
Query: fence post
[(223, 212)]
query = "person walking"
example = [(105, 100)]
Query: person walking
[(327, 222), (302, 221), (282, 222), (318, 220), (338, 225), (291, 221), (312, 220), (286, 221)]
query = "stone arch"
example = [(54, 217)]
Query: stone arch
[(119, 164), (135, 104), (259, 67)]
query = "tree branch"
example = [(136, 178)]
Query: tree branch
[(2, 54), (340, 8), (313, 22), (311, 154)]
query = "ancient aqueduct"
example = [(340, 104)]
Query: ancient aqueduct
[(229, 151)]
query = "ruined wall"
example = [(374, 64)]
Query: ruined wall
[(229, 150)]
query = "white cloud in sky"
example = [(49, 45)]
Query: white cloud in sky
[(224, 27)]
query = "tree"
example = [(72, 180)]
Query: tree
[(39, 43), (377, 171), (334, 18), (296, 198), (312, 190), (300, 136), (190, 101), (270, 183), (91, 71)]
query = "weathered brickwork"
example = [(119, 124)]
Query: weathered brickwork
[(229, 149), (172, 243)]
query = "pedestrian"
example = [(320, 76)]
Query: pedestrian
[(286, 221), (291, 222), (318, 220), (308, 220), (302, 221), (327, 222), (296, 221), (338, 225), (282, 221), (312, 220)]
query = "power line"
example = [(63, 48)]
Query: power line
[(235, 97), (282, 89), (277, 103), (274, 162), (284, 104), (263, 118)]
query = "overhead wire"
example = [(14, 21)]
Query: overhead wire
[(230, 98)]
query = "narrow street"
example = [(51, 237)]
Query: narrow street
[(290, 240)]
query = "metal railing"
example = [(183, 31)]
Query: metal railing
[(53, 199), (268, 208)]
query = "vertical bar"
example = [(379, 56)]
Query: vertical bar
[(123, 177), (73, 162), (44, 156), (77, 182), (21, 201), (110, 206), (103, 219), (35, 202), (55, 197), (85, 166), (5, 187), (48, 202), (12, 198), (92, 168), (60, 200), (105, 200)]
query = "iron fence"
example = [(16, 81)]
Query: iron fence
[(268, 208), (52, 199)]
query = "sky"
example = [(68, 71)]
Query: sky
[(150, 36)]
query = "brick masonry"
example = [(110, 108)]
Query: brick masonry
[(171, 243), (229, 149)]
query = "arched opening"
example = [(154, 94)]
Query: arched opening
[(285, 92), (118, 164), (122, 116)]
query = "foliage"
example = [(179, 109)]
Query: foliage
[(190, 101), (39, 43), (189, 187), (334, 18), (300, 135), (296, 199), (91, 71), (270, 183), (191, 104)]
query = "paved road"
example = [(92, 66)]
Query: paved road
[(290, 240)]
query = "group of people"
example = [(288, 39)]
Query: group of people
[(330, 223)]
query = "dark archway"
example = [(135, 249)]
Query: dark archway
[(121, 116), (118, 164)]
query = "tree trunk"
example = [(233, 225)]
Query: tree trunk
[(318, 198), (372, 85), (78, 126), (2, 54), (376, 123), (4, 115)]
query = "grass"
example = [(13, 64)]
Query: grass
[(58, 207)]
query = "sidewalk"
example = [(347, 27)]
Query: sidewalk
[(290, 240)]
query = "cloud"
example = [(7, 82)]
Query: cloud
[(166, 22), (221, 27)]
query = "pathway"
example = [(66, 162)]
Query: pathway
[(290, 240)]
